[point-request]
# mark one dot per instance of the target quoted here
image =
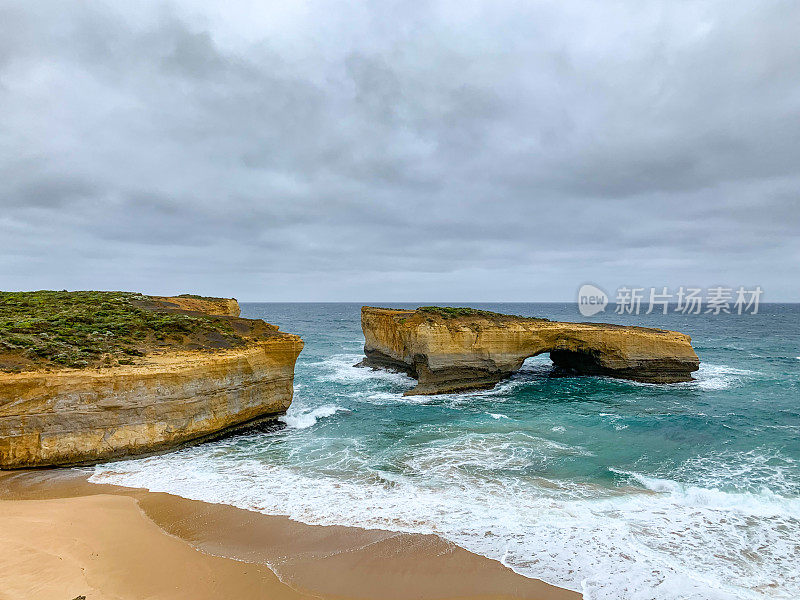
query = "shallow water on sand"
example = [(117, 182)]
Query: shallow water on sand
[(616, 489)]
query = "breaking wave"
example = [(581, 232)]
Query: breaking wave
[(303, 418), (683, 541)]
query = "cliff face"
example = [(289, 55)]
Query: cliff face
[(170, 397), (450, 351), (226, 307)]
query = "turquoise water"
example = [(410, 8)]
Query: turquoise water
[(616, 489)]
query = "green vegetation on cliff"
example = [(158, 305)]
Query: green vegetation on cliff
[(453, 312), (196, 297), (95, 329)]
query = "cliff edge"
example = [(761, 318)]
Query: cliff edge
[(87, 377), (225, 307), (454, 349)]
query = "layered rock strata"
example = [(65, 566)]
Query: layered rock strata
[(449, 350), (227, 307), (170, 398)]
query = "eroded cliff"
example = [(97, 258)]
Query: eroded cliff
[(450, 350), (205, 379), (226, 307)]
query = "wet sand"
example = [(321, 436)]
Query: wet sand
[(62, 537)]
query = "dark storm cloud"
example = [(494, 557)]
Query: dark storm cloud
[(434, 150)]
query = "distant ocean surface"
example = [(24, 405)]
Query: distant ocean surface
[(616, 489)]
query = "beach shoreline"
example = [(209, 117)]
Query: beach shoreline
[(62, 537)]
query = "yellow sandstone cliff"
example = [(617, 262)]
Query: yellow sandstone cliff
[(458, 349), (170, 398), (227, 307)]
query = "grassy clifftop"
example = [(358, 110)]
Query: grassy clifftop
[(50, 329), (453, 312)]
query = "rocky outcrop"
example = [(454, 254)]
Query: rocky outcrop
[(227, 307), (168, 399), (450, 350)]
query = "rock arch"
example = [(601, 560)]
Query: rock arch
[(449, 350)]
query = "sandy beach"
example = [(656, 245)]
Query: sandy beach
[(62, 537)]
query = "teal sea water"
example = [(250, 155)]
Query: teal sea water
[(616, 489)]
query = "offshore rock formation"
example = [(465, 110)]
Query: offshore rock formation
[(172, 397), (449, 350)]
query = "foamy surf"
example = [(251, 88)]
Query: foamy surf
[(340, 368), (608, 545), (719, 377), (303, 418), (764, 504), (498, 416)]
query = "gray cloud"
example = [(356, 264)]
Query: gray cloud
[(387, 151)]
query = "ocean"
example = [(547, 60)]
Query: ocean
[(616, 489)]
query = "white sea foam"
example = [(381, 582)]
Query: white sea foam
[(614, 420), (340, 368), (736, 470), (708, 377), (303, 418), (766, 503), (498, 416), (671, 540), (559, 429), (381, 397), (479, 454), (719, 377)]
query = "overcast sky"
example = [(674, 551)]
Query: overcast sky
[(419, 151)]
